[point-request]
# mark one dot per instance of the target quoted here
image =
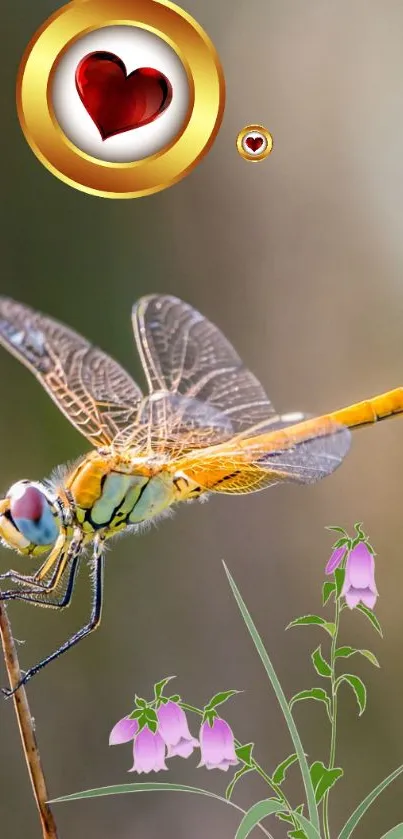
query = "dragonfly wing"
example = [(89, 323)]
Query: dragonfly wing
[(184, 354), (307, 461), (93, 391), (251, 465)]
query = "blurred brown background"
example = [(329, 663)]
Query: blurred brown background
[(300, 262)]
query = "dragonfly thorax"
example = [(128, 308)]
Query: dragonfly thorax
[(109, 494), (30, 522)]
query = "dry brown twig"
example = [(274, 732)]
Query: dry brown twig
[(26, 726)]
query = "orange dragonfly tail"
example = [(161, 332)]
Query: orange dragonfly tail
[(361, 413), (370, 410)]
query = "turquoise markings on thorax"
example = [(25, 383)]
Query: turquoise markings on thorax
[(119, 491), (155, 497)]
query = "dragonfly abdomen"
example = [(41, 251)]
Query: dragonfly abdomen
[(371, 410)]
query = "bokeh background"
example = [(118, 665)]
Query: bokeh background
[(300, 261)]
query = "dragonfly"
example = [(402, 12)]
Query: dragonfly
[(205, 426)]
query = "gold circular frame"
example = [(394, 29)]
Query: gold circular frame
[(150, 174), (254, 158)]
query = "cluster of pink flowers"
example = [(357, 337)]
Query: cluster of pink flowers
[(172, 737), (159, 729)]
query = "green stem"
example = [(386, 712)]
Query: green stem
[(282, 701), (332, 752), (256, 766), (279, 792)]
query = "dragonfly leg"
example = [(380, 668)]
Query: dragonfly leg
[(59, 557), (35, 579), (39, 599), (95, 619), (16, 577)]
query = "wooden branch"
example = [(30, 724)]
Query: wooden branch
[(26, 726)]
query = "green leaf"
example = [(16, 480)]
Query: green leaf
[(139, 702), (320, 664), (151, 786), (175, 698), (313, 693), (278, 776), (136, 714), (395, 832), (244, 753), (220, 698), (159, 686), (340, 543), (316, 770), (327, 591), (362, 808), (237, 776), (309, 620), (371, 617), (209, 716), (305, 620), (281, 698), (285, 817), (256, 814), (337, 529), (269, 807), (370, 548), (147, 718), (357, 686), (339, 580), (310, 830), (359, 531), (323, 778), (346, 652), (297, 834)]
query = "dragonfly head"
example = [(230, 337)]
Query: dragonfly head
[(29, 518)]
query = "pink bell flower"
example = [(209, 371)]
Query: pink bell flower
[(335, 560), (174, 730), (124, 730), (149, 752), (359, 581), (217, 745)]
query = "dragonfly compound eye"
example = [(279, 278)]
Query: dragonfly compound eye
[(31, 513)]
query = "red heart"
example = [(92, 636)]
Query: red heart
[(253, 143), (118, 102)]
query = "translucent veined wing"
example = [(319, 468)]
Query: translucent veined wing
[(185, 355), (303, 451), (171, 424), (93, 391)]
